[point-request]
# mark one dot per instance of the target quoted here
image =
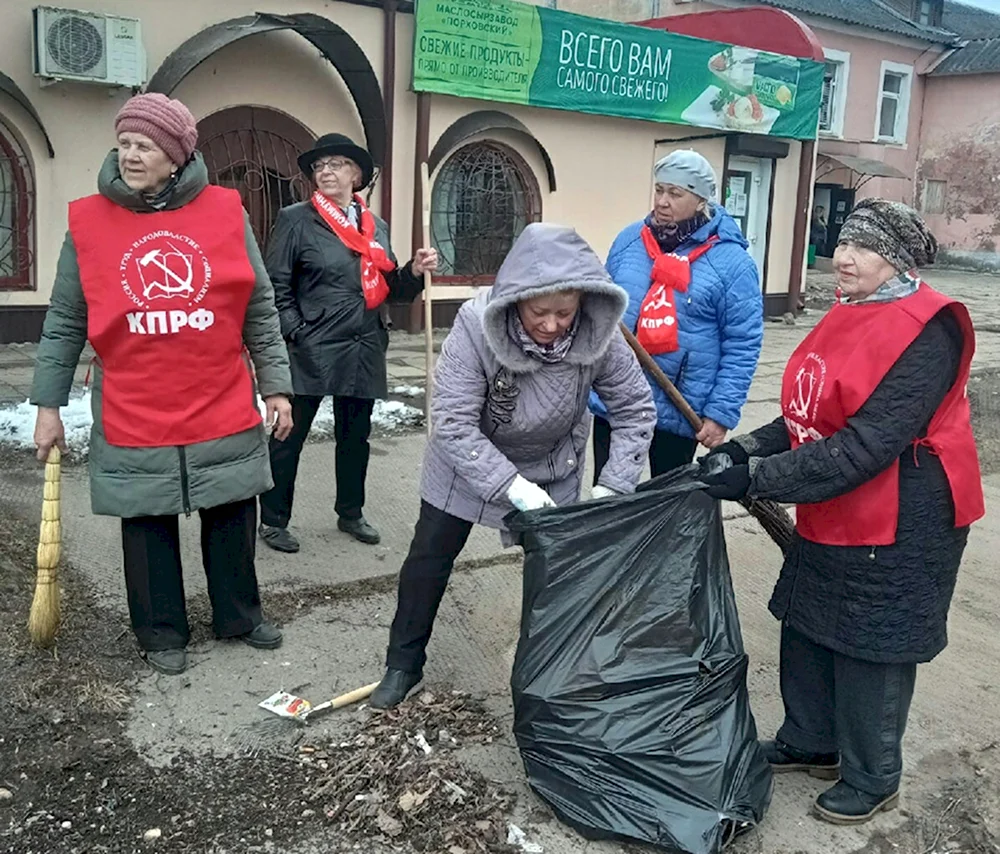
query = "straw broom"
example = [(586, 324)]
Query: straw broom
[(773, 518), (43, 621)]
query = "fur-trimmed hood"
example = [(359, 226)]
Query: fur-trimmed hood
[(545, 259)]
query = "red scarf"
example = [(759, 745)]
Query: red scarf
[(375, 261), (657, 327)]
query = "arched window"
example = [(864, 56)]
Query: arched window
[(17, 203), (254, 150), (483, 197)]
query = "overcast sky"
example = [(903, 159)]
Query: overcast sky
[(992, 5)]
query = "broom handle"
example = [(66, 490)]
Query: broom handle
[(662, 380), (428, 298)]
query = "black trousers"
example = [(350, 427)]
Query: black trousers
[(667, 452), (438, 540), (837, 703), (352, 428), (155, 581)]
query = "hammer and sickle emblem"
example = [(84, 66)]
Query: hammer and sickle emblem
[(805, 385), (176, 278)]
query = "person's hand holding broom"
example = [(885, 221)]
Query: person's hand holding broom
[(49, 431)]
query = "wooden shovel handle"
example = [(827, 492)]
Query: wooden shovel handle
[(354, 696), (662, 380), (428, 298)]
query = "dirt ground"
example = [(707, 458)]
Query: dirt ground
[(71, 781)]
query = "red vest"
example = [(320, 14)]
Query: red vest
[(166, 296), (830, 376)]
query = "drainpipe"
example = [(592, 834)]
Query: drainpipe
[(803, 196), (421, 151), (388, 100)]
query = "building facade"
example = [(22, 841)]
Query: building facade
[(911, 112)]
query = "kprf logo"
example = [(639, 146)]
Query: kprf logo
[(800, 409), (167, 269)]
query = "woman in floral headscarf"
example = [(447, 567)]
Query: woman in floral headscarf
[(875, 446)]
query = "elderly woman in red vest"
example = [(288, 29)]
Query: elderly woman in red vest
[(161, 272), (875, 447)]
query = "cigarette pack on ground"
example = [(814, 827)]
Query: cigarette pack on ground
[(286, 705)]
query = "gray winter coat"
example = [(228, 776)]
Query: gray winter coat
[(131, 482), (497, 412)]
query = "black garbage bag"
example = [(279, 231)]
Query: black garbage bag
[(631, 710)]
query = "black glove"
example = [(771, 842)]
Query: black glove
[(730, 484), (734, 450)]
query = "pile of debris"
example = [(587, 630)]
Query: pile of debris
[(399, 779)]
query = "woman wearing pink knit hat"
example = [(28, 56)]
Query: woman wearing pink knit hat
[(160, 271)]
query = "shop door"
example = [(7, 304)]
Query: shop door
[(746, 196), (253, 150), (841, 204)]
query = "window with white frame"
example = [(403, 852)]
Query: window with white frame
[(892, 118), (834, 100)]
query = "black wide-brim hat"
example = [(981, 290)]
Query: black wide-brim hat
[(338, 144)]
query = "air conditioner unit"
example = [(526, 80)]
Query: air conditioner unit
[(88, 46)]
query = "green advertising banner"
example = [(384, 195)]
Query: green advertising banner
[(498, 50)]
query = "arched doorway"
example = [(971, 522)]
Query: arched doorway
[(254, 150)]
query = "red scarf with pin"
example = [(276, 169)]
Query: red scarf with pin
[(657, 327), (375, 261)]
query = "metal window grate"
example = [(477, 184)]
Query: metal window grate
[(483, 198), (17, 202), (254, 151)]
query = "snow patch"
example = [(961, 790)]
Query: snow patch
[(407, 391), (17, 423)]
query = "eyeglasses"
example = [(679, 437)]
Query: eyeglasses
[(334, 164)]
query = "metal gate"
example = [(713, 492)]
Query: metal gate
[(253, 150)]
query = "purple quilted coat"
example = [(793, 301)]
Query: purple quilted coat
[(498, 412)]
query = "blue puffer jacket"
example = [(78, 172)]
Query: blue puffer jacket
[(720, 321)]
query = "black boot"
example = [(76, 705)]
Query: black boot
[(393, 688), (783, 758), (360, 530), (171, 662), (264, 636), (279, 539), (843, 804)]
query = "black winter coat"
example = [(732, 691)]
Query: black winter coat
[(885, 604), (335, 344)]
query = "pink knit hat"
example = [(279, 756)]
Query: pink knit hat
[(164, 120)]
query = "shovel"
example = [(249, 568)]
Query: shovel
[(300, 710)]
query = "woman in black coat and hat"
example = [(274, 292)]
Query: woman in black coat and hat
[(875, 447), (332, 268)]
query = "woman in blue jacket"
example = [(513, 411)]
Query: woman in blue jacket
[(713, 328)]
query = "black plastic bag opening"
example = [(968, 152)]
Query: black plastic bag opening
[(631, 709)]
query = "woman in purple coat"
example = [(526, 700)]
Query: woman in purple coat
[(511, 422)]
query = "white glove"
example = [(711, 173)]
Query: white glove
[(599, 492), (525, 495)]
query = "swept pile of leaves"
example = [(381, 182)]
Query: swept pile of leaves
[(399, 780)]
